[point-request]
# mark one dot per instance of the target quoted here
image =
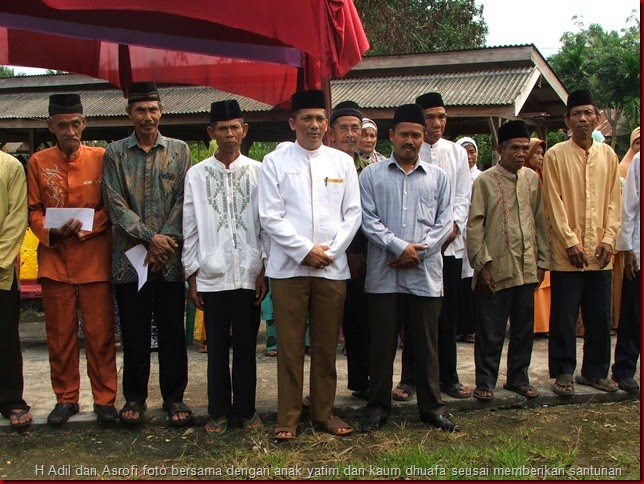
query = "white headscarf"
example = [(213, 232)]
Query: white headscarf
[(467, 141)]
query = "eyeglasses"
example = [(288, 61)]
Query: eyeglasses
[(344, 128)]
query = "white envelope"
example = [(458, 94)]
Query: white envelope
[(55, 218)]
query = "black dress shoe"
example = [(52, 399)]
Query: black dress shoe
[(105, 413), (441, 422), (61, 413), (371, 423)]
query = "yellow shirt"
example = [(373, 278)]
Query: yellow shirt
[(13, 216), (583, 201)]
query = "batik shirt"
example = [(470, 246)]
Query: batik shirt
[(506, 227), (144, 196), (223, 239)]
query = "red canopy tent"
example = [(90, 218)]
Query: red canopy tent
[(265, 49)]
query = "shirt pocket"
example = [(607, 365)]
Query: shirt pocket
[(213, 263), (426, 210), (91, 192)]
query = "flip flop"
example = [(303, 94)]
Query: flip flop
[(18, 413), (252, 423), (563, 381), (223, 424)]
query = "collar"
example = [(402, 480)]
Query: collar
[(133, 141), (420, 165), (73, 157), (508, 174)]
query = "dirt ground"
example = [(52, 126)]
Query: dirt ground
[(571, 437)]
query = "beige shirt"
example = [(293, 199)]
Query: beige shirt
[(582, 201), (13, 216), (506, 227)]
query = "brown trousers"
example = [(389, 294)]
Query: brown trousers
[(323, 301), (60, 302)]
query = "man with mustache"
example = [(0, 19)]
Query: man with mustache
[(309, 205), (452, 158), (143, 177), (581, 185), (407, 217), (507, 245), (74, 264)]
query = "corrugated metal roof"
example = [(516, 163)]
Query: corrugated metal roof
[(110, 103), (481, 88)]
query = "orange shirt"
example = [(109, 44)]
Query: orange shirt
[(56, 181)]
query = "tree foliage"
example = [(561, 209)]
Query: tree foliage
[(414, 26), (608, 65), (6, 71)]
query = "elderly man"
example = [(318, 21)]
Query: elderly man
[(346, 122), (222, 256), (507, 244), (627, 349), (581, 185), (453, 159), (309, 204), (13, 222), (74, 264), (407, 216), (367, 142), (143, 177)]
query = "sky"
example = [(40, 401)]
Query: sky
[(542, 22), (538, 22)]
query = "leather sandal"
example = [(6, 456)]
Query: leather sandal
[(136, 407), (602, 384), (285, 432), (335, 426), (174, 408), (481, 393), (527, 391)]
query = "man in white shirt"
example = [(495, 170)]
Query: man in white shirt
[(627, 348), (309, 205), (222, 257), (453, 160)]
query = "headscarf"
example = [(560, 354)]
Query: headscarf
[(534, 144), (467, 141), (628, 157)]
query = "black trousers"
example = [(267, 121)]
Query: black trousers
[(165, 301), (447, 322), (516, 303), (223, 310), (467, 313), (591, 291), (355, 326), (627, 348), (386, 312), (11, 382)]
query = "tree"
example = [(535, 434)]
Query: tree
[(6, 71), (608, 65), (414, 26)]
